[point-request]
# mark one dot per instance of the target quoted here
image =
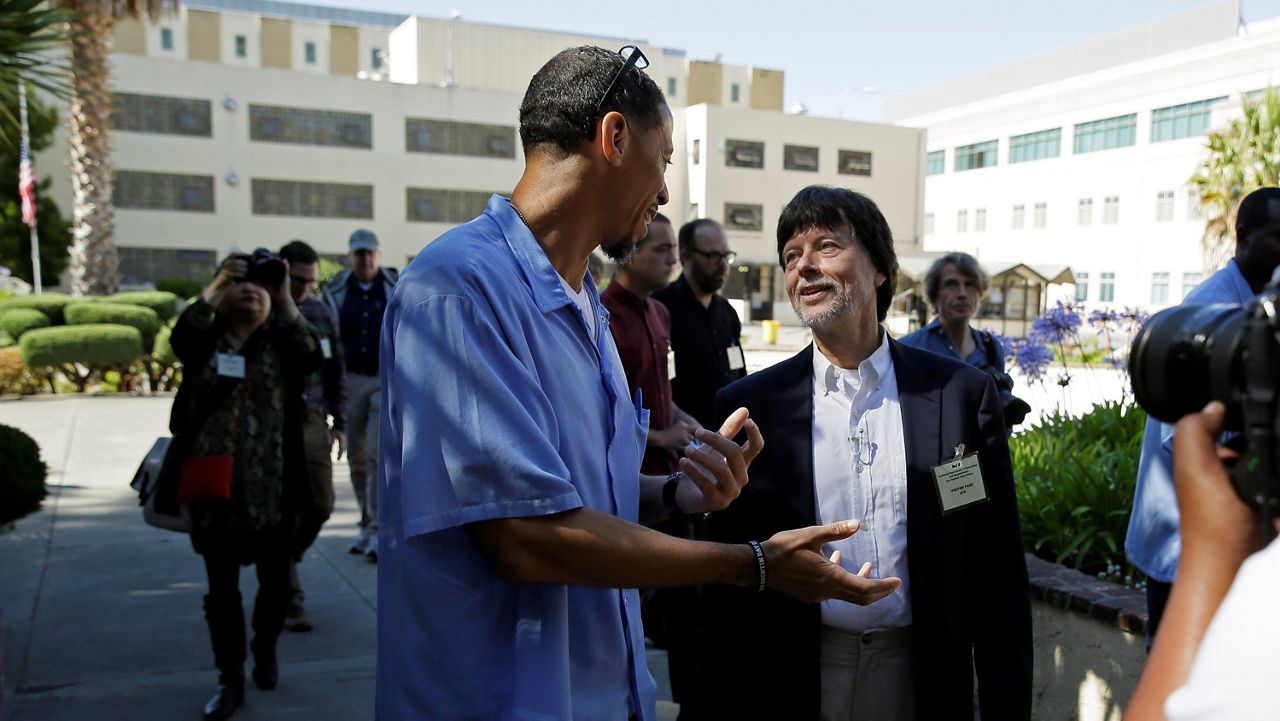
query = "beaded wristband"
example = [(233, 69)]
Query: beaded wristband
[(764, 571)]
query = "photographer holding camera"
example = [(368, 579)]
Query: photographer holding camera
[(1152, 543), (245, 351)]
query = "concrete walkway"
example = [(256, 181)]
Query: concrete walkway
[(101, 613)]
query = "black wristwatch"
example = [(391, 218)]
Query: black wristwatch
[(669, 499)]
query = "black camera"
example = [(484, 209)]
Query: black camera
[(1186, 356), (266, 269)]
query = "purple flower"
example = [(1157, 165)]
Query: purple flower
[(1056, 325), (1032, 359), (1133, 318), (1105, 320)]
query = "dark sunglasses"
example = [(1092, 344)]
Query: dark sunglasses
[(632, 57)]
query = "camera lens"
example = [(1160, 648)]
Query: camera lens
[(1185, 357), (267, 269)]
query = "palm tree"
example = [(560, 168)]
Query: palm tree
[(29, 34), (1242, 157), (94, 264)]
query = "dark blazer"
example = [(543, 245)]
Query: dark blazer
[(968, 579)]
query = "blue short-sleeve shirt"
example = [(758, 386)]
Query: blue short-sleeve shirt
[(1152, 542), (497, 403), (933, 337)]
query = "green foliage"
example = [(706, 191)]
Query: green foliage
[(164, 303), (16, 321), (22, 483), (1075, 479), (54, 232), (30, 31), (51, 304), (181, 287), (327, 270), (136, 316), (6, 340), (80, 350)]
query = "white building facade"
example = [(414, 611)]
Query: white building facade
[(1082, 157)]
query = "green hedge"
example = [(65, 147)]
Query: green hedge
[(163, 303), (22, 483), (16, 321), (89, 345), (180, 287), (51, 304), (136, 316), (6, 340), (162, 350)]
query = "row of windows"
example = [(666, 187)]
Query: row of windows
[(1171, 123), (750, 154), (241, 48), (1165, 206), (1159, 286), (306, 126)]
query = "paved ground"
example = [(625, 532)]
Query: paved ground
[(101, 613)]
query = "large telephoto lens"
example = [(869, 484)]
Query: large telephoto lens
[(1185, 357)]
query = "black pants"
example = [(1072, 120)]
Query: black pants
[(224, 611), (1157, 599)]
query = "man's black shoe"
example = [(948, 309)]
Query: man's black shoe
[(224, 702)]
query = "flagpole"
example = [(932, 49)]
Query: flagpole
[(35, 238)]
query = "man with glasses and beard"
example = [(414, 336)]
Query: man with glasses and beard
[(705, 331), (511, 448)]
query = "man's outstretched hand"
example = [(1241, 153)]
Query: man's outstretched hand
[(798, 568)]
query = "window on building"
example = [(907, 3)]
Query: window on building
[(733, 92), (697, 151), (1084, 212), (1159, 288), (743, 154), (800, 157), (444, 205), (855, 162), (1035, 146), (166, 38), (743, 216), (1019, 216), (163, 191), (1042, 214), (448, 137), (1111, 210), (311, 200), (978, 155), (1117, 132), (671, 87), (309, 50), (936, 163), (135, 113), (928, 223), (242, 46), (1164, 206), (375, 58), (962, 221), (305, 126), (1193, 203), (979, 220), (1189, 283), (1107, 287), (140, 265), (1082, 286), (1188, 120)]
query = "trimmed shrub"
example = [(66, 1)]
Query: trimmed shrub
[(16, 321), (22, 483), (79, 350), (136, 316), (164, 304), (162, 350), (51, 304), (6, 340), (180, 287)]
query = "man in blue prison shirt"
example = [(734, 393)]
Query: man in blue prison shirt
[(509, 548), (1152, 542)]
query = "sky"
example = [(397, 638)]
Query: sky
[(841, 58)]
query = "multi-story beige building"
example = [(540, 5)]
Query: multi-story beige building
[(244, 123)]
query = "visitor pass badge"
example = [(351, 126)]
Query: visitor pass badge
[(326, 348), (736, 360), (959, 481), (230, 365)]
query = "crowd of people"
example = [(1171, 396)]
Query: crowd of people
[(547, 473)]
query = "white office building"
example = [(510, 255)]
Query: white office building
[(1082, 157)]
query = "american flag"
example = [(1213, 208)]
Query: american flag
[(27, 181)]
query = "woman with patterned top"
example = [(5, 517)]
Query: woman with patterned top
[(243, 368)]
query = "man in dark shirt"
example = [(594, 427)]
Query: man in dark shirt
[(359, 297), (325, 395), (705, 330)]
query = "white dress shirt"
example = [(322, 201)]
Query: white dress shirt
[(860, 472)]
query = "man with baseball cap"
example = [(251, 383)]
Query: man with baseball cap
[(358, 296)]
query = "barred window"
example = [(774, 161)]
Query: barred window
[(159, 114), (743, 154), (1182, 121), (1111, 210), (447, 137), (855, 162), (1035, 146), (163, 191), (1019, 216), (1042, 214), (1164, 206), (1084, 212), (444, 205), (800, 157), (978, 155), (980, 220), (962, 221), (742, 216), (140, 265), (1118, 132), (311, 200), (304, 126)]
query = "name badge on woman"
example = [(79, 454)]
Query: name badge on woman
[(230, 365)]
